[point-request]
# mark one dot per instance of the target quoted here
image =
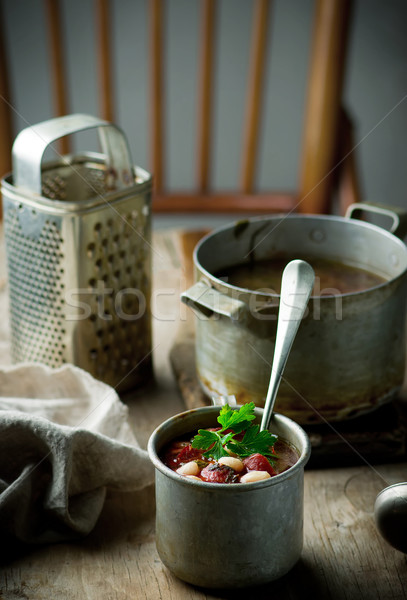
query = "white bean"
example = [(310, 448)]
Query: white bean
[(251, 476), (193, 477), (189, 468), (234, 463)]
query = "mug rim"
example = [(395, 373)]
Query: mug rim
[(241, 487)]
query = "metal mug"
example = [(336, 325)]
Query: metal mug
[(228, 535)]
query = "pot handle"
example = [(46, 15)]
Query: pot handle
[(208, 301), (398, 215)]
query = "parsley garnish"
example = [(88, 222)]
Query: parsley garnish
[(215, 442)]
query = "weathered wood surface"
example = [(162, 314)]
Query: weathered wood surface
[(344, 557)]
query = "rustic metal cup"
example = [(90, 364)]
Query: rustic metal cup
[(228, 535)]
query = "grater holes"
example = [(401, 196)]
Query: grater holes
[(34, 287), (91, 249), (112, 265), (53, 187)]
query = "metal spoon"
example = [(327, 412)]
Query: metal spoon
[(296, 286)]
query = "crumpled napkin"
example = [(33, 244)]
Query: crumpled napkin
[(64, 440)]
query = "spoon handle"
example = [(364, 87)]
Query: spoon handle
[(296, 286)]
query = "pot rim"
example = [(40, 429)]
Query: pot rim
[(278, 216), (227, 487)]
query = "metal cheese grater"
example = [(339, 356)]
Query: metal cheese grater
[(77, 234)]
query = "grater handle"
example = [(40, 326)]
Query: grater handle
[(31, 143)]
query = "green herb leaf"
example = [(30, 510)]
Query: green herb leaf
[(238, 420), (204, 439), (216, 452), (227, 437), (210, 441), (253, 440)]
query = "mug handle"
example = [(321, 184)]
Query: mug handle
[(398, 215)]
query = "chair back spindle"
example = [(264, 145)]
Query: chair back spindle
[(6, 115), (57, 66), (255, 87), (205, 96), (104, 53), (156, 10), (323, 108)]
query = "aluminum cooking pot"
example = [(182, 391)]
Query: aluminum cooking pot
[(228, 535), (349, 354)]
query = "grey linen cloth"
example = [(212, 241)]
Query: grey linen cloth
[(64, 440)]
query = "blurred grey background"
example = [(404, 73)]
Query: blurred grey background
[(375, 85)]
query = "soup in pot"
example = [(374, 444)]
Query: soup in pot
[(331, 277)]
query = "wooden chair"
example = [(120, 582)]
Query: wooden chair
[(327, 140)]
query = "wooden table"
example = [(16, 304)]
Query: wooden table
[(343, 555)]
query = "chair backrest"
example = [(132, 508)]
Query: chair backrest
[(327, 138)]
